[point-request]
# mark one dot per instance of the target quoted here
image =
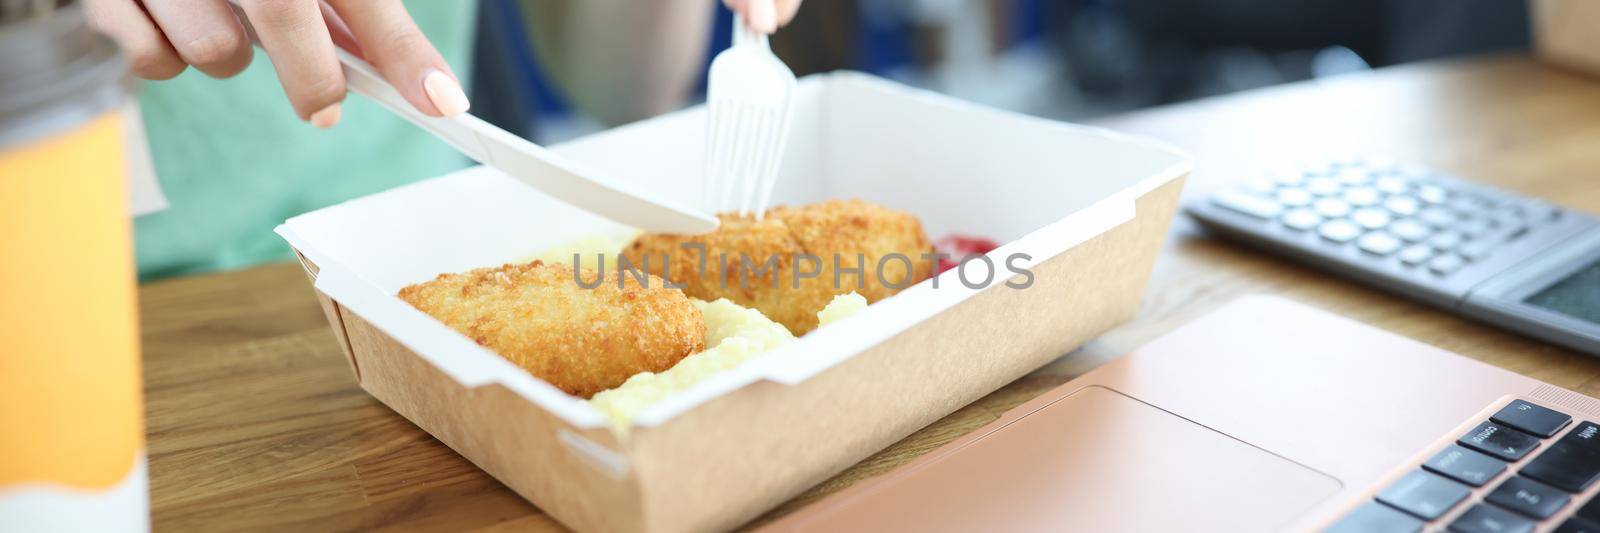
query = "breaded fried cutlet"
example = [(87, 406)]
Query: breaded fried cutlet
[(856, 232), (580, 340)]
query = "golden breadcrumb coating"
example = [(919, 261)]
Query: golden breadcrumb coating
[(580, 340), (857, 232)]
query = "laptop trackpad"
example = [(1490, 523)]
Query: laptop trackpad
[(1095, 460)]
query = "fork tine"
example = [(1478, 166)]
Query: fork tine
[(769, 175), (759, 153), (785, 117), (726, 163), (712, 179), (744, 163), (724, 153)]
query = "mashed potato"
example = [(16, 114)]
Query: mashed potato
[(592, 248), (734, 334), (842, 307)]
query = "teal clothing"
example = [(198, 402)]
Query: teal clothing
[(234, 160)]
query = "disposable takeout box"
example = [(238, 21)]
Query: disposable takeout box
[(1089, 207)]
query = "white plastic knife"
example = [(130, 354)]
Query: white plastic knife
[(534, 165)]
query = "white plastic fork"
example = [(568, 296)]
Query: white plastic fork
[(748, 126)]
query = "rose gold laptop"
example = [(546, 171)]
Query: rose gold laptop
[(1264, 416)]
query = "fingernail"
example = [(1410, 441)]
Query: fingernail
[(763, 16), (327, 116), (445, 93)]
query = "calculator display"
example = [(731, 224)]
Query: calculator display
[(1577, 296)]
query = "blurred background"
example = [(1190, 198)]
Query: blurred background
[(1063, 59)]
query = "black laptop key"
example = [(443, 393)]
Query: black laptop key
[(1487, 519), (1528, 497), (1572, 463), (1499, 441), (1540, 421), (1465, 465), (1374, 517), (1424, 495), (1591, 510), (1578, 525)]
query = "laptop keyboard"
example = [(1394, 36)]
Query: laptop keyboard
[(1513, 472)]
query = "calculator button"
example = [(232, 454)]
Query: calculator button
[(1402, 205), (1499, 441), (1362, 196), (1469, 205), (1323, 186), (1436, 217), (1446, 241), (1465, 465), (1294, 197), (1255, 206), (1392, 184), (1473, 228), (1374, 517), (1516, 232), (1410, 230), (1445, 265), (1332, 208), (1475, 250), (1487, 519), (1528, 497), (1424, 495), (1415, 254), (1572, 463), (1371, 217), (1533, 419), (1301, 219), (1338, 230), (1433, 194), (1379, 243)]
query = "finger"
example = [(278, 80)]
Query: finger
[(296, 38), (786, 11), (393, 43), (148, 53), (205, 33), (761, 15), (340, 31)]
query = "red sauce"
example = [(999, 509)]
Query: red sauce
[(960, 247)]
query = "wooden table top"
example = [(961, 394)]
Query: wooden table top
[(256, 422)]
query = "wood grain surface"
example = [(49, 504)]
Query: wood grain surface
[(256, 423)]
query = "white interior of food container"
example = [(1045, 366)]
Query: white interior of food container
[(1039, 186)]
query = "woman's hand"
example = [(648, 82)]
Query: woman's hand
[(161, 38), (764, 16)]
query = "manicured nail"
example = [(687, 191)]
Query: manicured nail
[(763, 16), (445, 93), (327, 116)]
